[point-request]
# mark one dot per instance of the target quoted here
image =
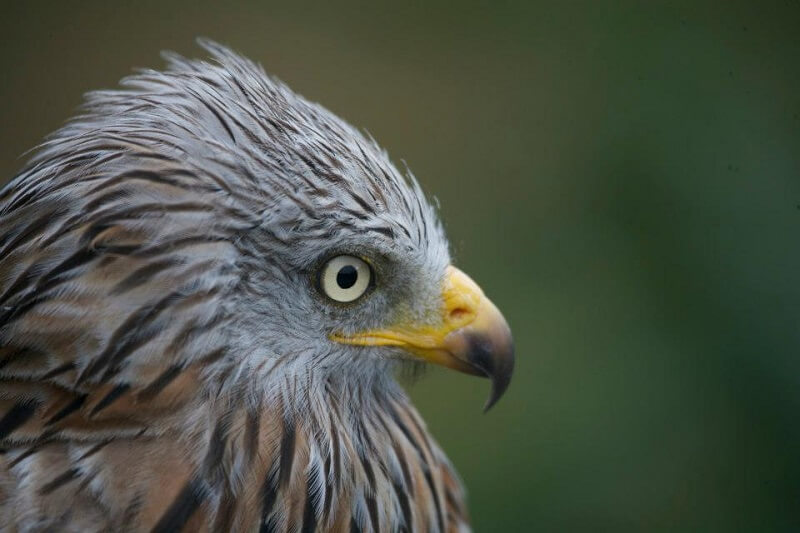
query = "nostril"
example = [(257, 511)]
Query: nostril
[(459, 313)]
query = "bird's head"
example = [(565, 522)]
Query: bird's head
[(355, 275), (376, 288), (318, 254)]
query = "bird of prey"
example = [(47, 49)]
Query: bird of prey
[(207, 285)]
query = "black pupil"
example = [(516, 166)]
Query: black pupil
[(347, 276)]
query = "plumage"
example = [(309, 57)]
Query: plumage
[(167, 359)]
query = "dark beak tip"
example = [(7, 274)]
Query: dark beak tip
[(501, 379), (496, 362), (486, 353)]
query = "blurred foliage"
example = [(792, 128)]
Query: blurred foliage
[(622, 178)]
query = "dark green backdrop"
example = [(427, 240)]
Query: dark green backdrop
[(622, 178)]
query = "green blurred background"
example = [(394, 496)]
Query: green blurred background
[(622, 179)]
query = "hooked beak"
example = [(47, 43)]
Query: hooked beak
[(471, 336)]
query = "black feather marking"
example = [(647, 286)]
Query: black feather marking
[(389, 232), (354, 527), (326, 506), (372, 507), (67, 410), (194, 329), (401, 458), (287, 453), (213, 356), (131, 334), (106, 198), (142, 275), (87, 478), (309, 513), (251, 429), (36, 446), (422, 433), (27, 453), (370, 473), (15, 417), (169, 375), (108, 217), (57, 371), (219, 117), (33, 228), (337, 456), (423, 463), (354, 213), (405, 506), (23, 280), (181, 509), (170, 245), (94, 449), (270, 489), (132, 509), (162, 178), (13, 313), (406, 432), (360, 201), (435, 495), (160, 383), (269, 494), (451, 499), (59, 273), (20, 353), (109, 398), (60, 480), (332, 468), (216, 451)]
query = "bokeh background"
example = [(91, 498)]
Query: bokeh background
[(623, 178)]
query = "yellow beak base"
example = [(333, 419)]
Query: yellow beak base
[(472, 336)]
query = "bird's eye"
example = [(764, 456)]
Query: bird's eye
[(345, 278)]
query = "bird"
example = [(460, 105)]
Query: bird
[(209, 286)]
